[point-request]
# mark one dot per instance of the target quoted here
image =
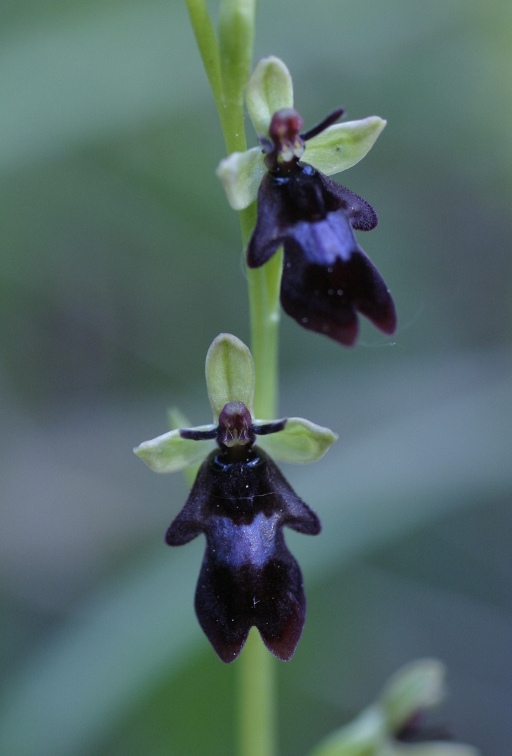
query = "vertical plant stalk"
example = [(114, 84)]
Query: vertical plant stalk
[(227, 64), (257, 733), (263, 286)]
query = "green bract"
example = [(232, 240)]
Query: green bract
[(342, 145), (230, 377), (337, 148), (414, 688)]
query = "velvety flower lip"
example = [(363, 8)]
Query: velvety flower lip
[(327, 278), (241, 502)]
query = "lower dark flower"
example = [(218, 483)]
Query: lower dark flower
[(327, 278), (241, 502)]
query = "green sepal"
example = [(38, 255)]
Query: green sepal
[(170, 452), (415, 687), (236, 35), (299, 442), (241, 174), (230, 374), (269, 89), (362, 737), (176, 419), (343, 145)]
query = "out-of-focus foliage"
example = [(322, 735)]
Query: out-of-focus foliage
[(120, 261)]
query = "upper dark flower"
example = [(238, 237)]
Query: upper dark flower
[(327, 278), (241, 502)]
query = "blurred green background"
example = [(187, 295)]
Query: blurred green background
[(120, 261)]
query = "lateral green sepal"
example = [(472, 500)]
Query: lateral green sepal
[(343, 145), (240, 174), (299, 442), (170, 452)]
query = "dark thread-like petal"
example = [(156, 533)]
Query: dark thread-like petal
[(323, 125), (197, 435), (267, 428)]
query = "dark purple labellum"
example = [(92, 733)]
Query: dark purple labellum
[(241, 502), (327, 278)]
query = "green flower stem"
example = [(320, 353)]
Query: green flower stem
[(227, 67), (257, 705), (263, 284), (208, 47)]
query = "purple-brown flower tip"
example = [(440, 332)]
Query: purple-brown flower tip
[(241, 502), (327, 278)]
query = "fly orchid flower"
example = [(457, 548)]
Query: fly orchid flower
[(327, 278), (392, 725), (241, 502)]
